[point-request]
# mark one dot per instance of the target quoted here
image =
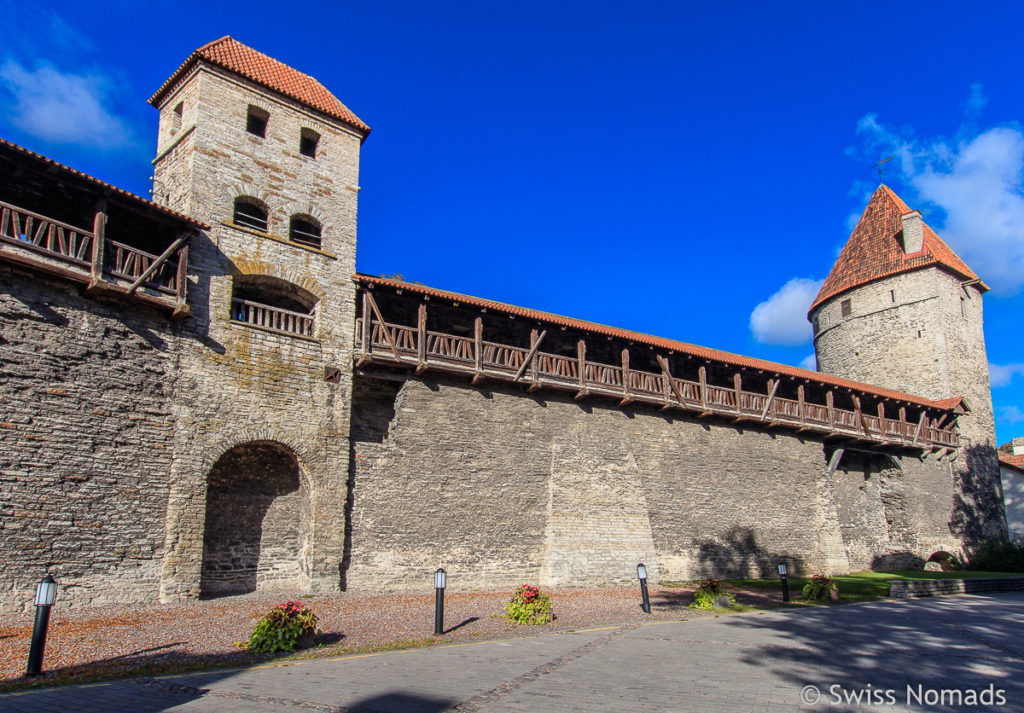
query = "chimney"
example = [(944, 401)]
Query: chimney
[(913, 232)]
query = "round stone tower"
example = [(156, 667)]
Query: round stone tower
[(901, 310)]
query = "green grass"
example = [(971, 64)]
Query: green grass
[(858, 586)]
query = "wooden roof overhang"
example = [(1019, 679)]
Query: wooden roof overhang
[(62, 222), (669, 374)]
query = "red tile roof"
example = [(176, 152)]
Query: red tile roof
[(1012, 461), (4, 143), (668, 344), (232, 55), (874, 250)]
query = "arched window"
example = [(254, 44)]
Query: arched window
[(250, 213), (273, 304), (305, 230)]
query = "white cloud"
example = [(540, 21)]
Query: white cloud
[(1002, 374), (977, 182), (63, 108), (809, 362), (1011, 415), (782, 318)]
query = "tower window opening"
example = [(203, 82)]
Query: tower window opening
[(250, 213), (304, 230), (176, 116), (256, 121), (846, 307), (308, 142), (892, 295), (963, 308)]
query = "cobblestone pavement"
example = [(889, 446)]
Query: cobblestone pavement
[(962, 653)]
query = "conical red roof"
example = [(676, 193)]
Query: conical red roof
[(258, 67), (875, 249)]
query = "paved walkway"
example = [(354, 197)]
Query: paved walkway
[(939, 654)]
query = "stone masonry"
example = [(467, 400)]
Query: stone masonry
[(144, 459)]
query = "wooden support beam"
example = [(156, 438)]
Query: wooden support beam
[(771, 397), (383, 326), (920, 424), (626, 396), (421, 338), (881, 421), (830, 406), (663, 362), (737, 383), (367, 329), (903, 423), (942, 420), (702, 377), (155, 265), (801, 403), (860, 416), (181, 308), (534, 346), (478, 350), (99, 240), (581, 368)]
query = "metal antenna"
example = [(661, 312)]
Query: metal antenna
[(879, 167)]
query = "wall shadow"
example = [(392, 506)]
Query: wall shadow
[(738, 555)]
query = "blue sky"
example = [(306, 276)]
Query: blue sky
[(665, 167)]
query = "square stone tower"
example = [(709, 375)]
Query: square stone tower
[(270, 158), (900, 309)]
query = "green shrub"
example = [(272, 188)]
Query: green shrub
[(707, 590), (999, 554), (281, 629), (820, 587), (529, 606)]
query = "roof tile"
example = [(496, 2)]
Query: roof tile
[(874, 250), (232, 55)]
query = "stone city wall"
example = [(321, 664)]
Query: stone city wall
[(501, 487)]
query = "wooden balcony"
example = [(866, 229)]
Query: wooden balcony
[(273, 319), (49, 245), (380, 342)]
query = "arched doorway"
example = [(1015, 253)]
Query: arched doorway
[(257, 522)]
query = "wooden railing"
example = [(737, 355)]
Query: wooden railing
[(394, 343), (275, 319), (90, 257)]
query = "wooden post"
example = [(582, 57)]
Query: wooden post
[(702, 377), (181, 308), (626, 398), (478, 349), (421, 338), (801, 403), (829, 404), (920, 423), (581, 367), (737, 383), (99, 244), (367, 326), (881, 421), (903, 423)]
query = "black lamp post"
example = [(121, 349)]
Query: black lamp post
[(645, 602), (46, 594), (440, 577), (785, 582)]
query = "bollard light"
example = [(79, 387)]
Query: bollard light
[(440, 580), (783, 570), (46, 595), (645, 600)]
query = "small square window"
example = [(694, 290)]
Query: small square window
[(308, 141), (176, 116), (846, 308), (256, 121)]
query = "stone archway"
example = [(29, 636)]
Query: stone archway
[(257, 530)]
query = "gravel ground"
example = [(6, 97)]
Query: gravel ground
[(120, 640)]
